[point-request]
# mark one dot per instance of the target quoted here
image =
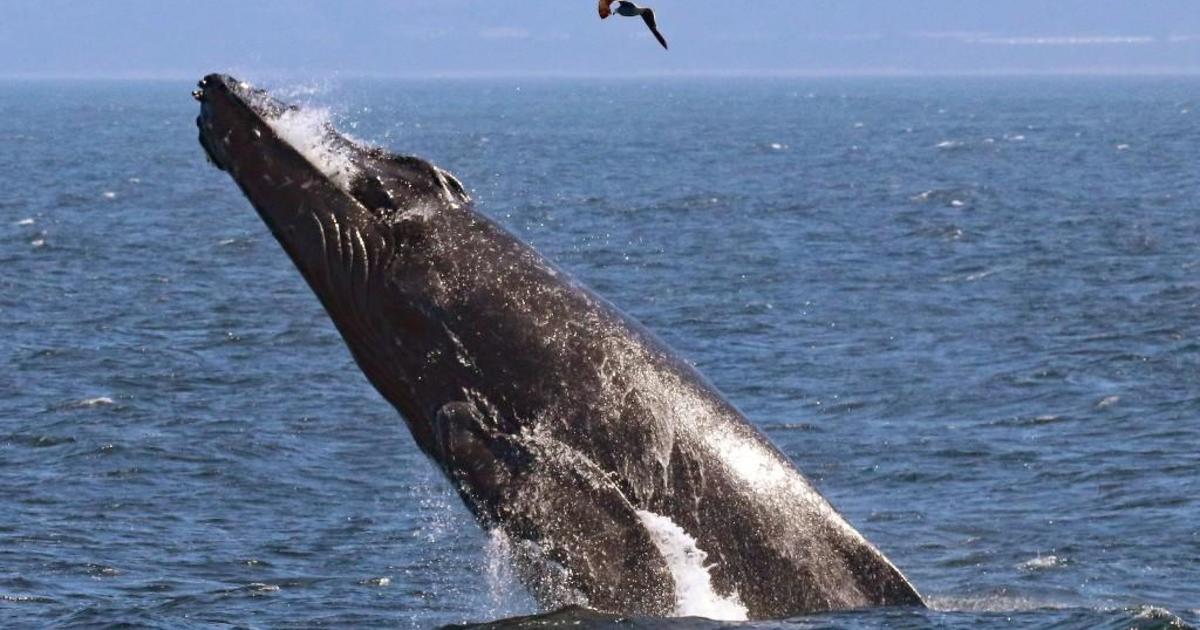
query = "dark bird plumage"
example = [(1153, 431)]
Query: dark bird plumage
[(629, 9)]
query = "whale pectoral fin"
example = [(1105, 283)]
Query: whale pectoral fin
[(557, 503), (579, 519), (480, 464)]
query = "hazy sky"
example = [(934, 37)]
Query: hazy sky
[(186, 38)]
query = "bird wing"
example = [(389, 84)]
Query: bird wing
[(648, 16), (606, 8)]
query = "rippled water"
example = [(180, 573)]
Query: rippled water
[(970, 310)]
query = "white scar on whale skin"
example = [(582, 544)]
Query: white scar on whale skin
[(694, 594)]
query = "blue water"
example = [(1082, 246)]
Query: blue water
[(968, 309)]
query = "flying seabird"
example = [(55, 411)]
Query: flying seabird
[(629, 9)]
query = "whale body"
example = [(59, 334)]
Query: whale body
[(562, 423)]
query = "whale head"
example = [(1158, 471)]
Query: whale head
[(238, 122), (369, 230)]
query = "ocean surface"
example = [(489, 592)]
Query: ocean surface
[(968, 309)]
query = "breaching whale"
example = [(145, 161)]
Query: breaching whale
[(560, 421)]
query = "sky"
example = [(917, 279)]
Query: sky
[(468, 38)]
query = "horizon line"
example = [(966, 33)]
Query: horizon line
[(836, 73)]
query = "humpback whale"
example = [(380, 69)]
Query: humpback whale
[(563, 424)]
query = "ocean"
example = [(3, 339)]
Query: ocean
[(968, 309)]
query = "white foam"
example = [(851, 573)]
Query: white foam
[(1041, 563), (95, 402), (108, 194), (1000, 603), (381, 582), (948, 144), (694, 594), (28, 221), (310, 132)]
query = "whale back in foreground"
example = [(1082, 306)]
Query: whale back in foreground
[(559, 420)]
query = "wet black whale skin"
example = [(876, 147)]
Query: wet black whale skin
[(558, 418)]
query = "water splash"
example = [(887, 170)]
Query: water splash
[(310, 132), (1042, 563), (98, 401), (694, 594), (507, 597)]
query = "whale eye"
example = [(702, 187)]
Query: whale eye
[(391, 207)]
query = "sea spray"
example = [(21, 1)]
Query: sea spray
[(694, 594), (507, 597), (310, 132)]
